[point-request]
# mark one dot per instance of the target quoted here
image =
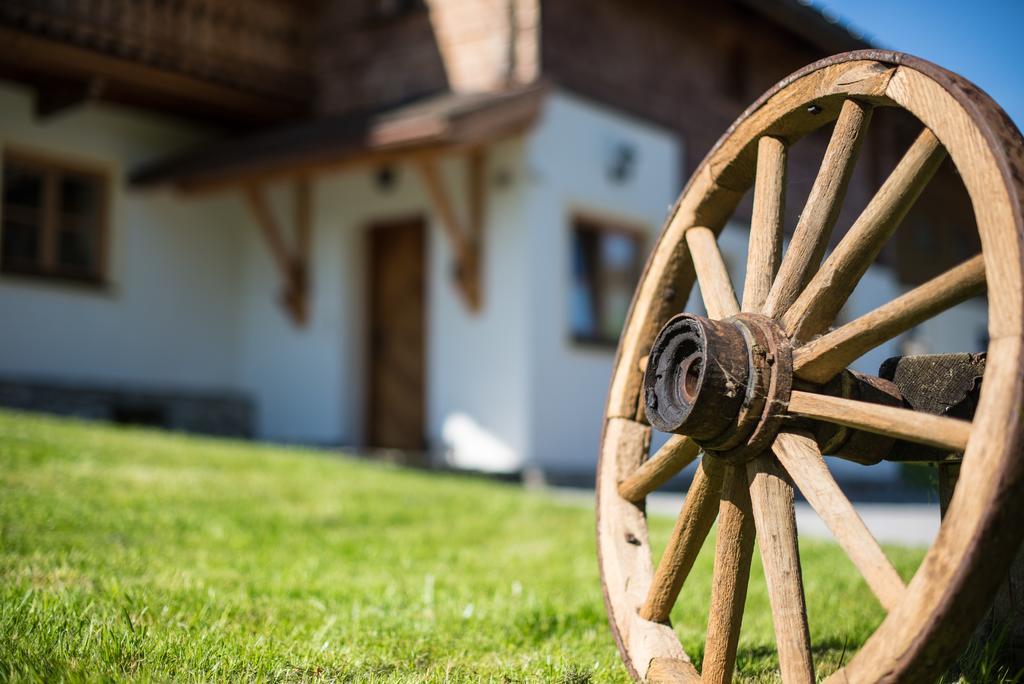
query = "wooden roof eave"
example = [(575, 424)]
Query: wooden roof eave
[(390, 138), (306, 167)]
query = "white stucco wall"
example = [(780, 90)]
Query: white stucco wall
[(311, 382), (168, 316), (568, 159), (192, 301), (478, 361)]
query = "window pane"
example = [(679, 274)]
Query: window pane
[(22, 187), (619, 255), (79, 195), (22, 211), (618, 252), (605, 272), (613, 317), (75, 249), (582, 296), (21, 249), (78, 235)]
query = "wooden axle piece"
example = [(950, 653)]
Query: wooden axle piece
[(946, 385), (860, 446), (939, 384), (727, 386)]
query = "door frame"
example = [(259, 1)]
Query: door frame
[(369, 231)]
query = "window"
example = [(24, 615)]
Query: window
[(54, 219), (606, 261)]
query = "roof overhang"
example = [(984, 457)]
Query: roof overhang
[(432, 125), (811, 23)]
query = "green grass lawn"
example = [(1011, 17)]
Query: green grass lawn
[(133, 554)]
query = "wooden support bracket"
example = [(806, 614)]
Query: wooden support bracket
[(465, 239), (292, 263)]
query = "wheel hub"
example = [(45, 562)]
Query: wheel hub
[(725, 384)]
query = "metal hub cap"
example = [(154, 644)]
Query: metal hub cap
[(725, 384)]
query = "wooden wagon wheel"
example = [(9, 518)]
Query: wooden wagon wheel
[(748, 388)]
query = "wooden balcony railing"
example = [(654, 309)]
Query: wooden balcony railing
[(256, 46)]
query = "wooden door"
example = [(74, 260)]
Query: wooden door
[(397, 325)]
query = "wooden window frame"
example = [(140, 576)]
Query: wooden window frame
[(53, 167), (603, 225)]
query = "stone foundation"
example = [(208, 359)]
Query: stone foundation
[(227, 414)]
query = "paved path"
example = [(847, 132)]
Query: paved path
[(910, 524)]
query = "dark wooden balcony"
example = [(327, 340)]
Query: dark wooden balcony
[(224, 59)]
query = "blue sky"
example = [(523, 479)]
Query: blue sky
[(980, 39)]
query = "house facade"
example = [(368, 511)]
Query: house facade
[(399, 224)]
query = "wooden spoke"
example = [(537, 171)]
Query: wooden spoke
[(818, 305), (766, 223), (695, 520), (715, 286), (800, 456), (771, 498), (901, 423), (820, 359), (677, 453), (733, 549), (822, 208)]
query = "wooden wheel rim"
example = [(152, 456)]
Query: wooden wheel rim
[(976, 541)]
